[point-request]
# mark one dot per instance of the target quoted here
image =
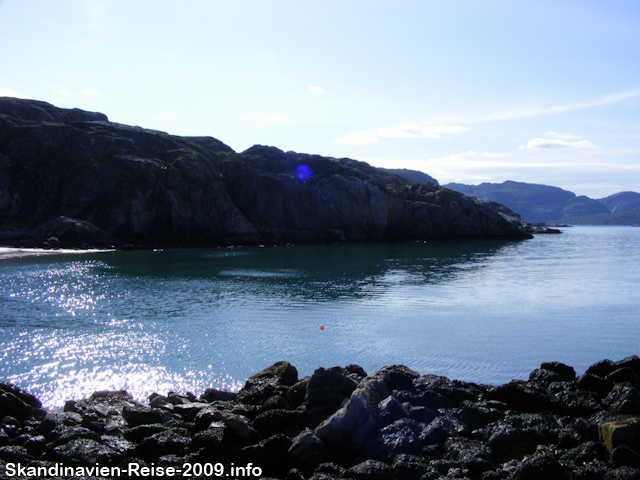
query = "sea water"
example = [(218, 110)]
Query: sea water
[(184, 320)]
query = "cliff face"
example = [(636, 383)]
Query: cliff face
[(76, 176)]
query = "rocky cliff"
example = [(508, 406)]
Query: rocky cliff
[(69, 177)]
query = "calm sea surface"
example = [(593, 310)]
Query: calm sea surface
[(185, 320)]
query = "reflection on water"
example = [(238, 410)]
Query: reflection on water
[(190, 319)]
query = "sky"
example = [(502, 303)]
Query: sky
[(468, 91)]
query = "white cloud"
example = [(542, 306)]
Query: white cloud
[(67, 93), (7, 92), (556, 143), (403, 130), (91, 91), (535, 111), (317, 90)]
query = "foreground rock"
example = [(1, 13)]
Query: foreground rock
[(341, 423), (70, 178)]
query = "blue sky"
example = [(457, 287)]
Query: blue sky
[(467, 91)]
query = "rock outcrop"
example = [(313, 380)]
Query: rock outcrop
[(72, 178), (341, 423)]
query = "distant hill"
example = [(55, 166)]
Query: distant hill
[(621, 202), (414, 176), (542, 203), (629, 217)]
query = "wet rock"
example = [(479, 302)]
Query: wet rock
[(565, 371), (136, 415), (624, 398), (480, 414), (273, 380), (624, 374), (86, 452), (307, 450), (598, 385), (521, 396), (625, 456), (297, 393), (170, 441), (540, 466), (278, 421), (544, 377), (602, 368), (401, 437), (355, 426), (371, 470), (326, 390), (270, 454), (412, 467), (211, 395), (624, 432), (518, 435), (471, 454), (13, 406), (569, 400), (441, 428), (623, 473), (21, 394), (585, 453), (453, 391), (236, 424)]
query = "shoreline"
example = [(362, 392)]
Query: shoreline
[(342, 423)]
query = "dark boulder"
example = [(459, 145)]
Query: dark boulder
[(623, 398), (521, 396), (273, 380)]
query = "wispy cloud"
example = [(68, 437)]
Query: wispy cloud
[(556, 143), (403, 130), (7, 92), (317, 90), (535, 111), (91, 91)]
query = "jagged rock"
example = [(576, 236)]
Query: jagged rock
[(86, 452), (270, 454), (395, 424), (480, 414), (518, 435), (168, 441), (325, 392), (622, 433), (540, 466), (211, 395), (307, 450), (355, 426), (521, 396), (623, 398), (277, 421), (273, 380), (70, 232), (470, 454), (371, 470), (593, 383)]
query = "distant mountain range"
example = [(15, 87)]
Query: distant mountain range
[(541, 203)]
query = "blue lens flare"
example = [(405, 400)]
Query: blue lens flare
[(303, 172)]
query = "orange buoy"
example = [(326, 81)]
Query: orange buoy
[(321, 327)]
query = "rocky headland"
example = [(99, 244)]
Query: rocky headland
[(72, 178), (341, 423)]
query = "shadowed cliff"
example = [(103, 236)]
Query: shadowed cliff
[(72, 178)]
